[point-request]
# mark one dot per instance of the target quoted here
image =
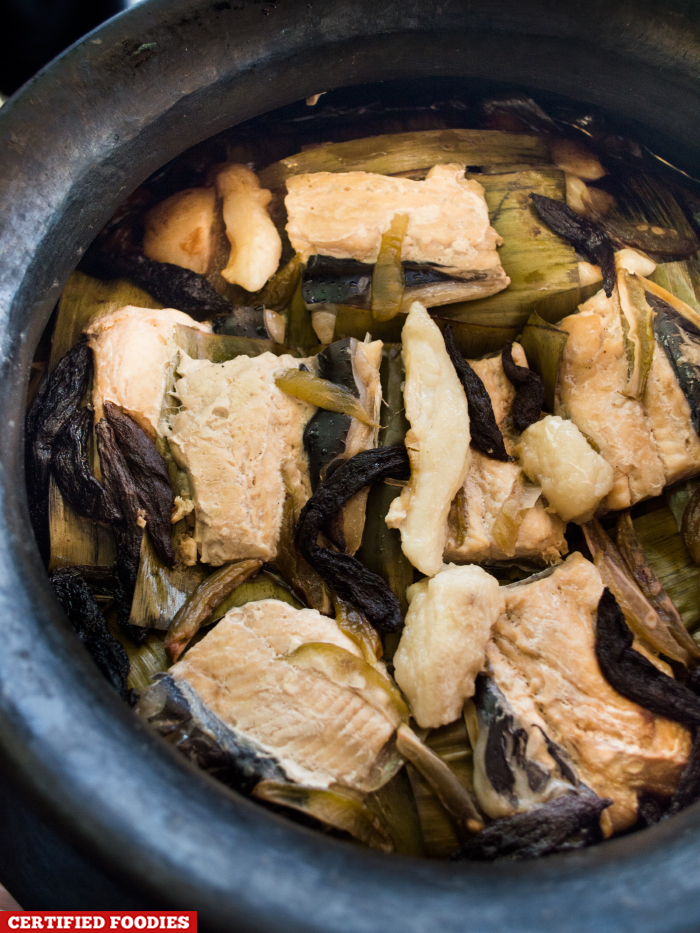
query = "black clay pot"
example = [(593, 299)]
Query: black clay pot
[(97, 813)]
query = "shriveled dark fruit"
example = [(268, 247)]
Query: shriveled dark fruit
[(632, 675), (347, 575), (52, 407), (486, 436), (584, 235), (171, 285), (676, 334), (662, 243), (540, 831), (529, 391), (150, 476), (121, 489), (326, 432), (84, 615), (71, 470)]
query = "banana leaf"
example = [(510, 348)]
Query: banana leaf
[(409, 152), (544, 347), (266, 585), (395, 805), (538, 262), (161, 590), (669, 557), (451, 744), (473, 340)]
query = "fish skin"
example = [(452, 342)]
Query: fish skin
[(543, 659), (319, 733)]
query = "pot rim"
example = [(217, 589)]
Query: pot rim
[(79, 136)]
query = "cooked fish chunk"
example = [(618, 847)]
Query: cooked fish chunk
[(256, 246), (320, 732), (517, 766), (669, 417), (437, 443), (344, 215), (592, 380), (238, 437), (488, 485), (134, 350), (442, 646), (179, 230), (573, 477), (542, 659)]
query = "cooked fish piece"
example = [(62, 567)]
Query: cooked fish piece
[(670, 418), (238, 437), (134, 350), (573, 477), (344, 215), (442, 646), (542, 659), (649, 443), (256, 246), (318, 731), (489, 484), (437, 443), (179, 230), (592, 380), (517, 766)]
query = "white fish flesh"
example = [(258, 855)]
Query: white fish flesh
[(437, 443), (256, 246), (542, 659), (318, 731), (134, 351), (345, 214), (238, 437), (442, 646)]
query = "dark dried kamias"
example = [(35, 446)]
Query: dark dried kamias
[(344, 573), (529, 391), (584, 235), (486, 436), (636, 678), (70, 466), (84, 615), (150, 476), (568, 822), (171, 285), (55, 403)]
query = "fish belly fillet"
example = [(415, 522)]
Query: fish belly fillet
[(437, 443)]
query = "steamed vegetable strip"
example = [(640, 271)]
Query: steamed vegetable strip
[(322, 393), (452, 794), (338, 807), (639, 613), (388, 277), (635, 560), (203, 601)]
